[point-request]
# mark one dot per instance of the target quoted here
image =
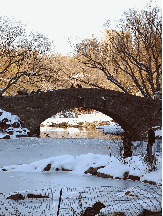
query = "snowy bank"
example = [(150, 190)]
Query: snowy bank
[(82, 118), (10, 126), (111, 166), (113, 128)]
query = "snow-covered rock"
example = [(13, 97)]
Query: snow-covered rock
[(10, 126)]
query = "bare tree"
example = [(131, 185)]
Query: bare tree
[(22, 56), (130, 57)]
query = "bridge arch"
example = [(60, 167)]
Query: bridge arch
[(131, 112)]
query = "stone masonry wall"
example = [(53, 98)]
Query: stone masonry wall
[(133, 113)]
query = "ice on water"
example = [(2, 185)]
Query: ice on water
[(147, 196)]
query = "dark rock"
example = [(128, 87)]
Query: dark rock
[(94, 210), (117, 177), (117, 214), (134, 178), (150, 182), (63, 125), (53, 125), (125, 175), (47, 135), (36, 196), (16, 125), (4, 169), (130, 194), (47, 168), (103, 175), (21, 135), (19, 131), (10, 132), (6, 137), (5, 120), (150, 213), (127, 192), (100, 167), (63, 169), (7, 126), (3, 124), (16, 197), (93, 170), (133, 195)]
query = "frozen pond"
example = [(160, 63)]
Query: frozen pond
[(28, 150)]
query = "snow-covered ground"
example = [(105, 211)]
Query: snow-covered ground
[(131, 201), (158, 132)]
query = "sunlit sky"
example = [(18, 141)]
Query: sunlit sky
[(61, 19)]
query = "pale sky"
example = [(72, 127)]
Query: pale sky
[(60, 19)]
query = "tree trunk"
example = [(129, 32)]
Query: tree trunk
[(127, 144)]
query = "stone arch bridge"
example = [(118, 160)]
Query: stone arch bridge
[(133, 113)]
